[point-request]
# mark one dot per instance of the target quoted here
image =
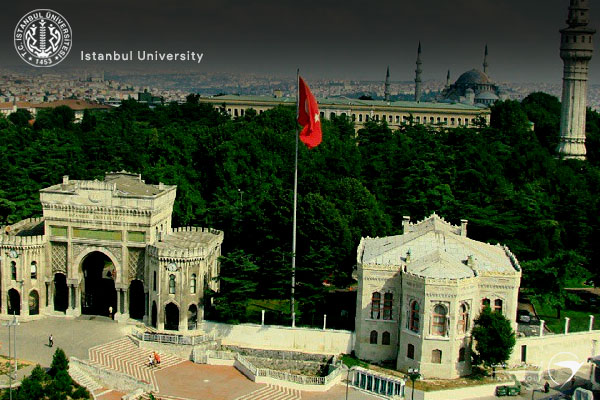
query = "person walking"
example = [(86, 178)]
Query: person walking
[(150, 361), (110, 312), (50, 341), (157, 359)]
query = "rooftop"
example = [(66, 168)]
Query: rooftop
[(433, 248), (344, 101)]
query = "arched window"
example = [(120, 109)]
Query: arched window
[(485, 303), (410, 351), (438, 327), (193, 284), (498, 305), (436, 356), (375, 305), (385, 338), (414, 317), (353, 117), (171, 284), (33, 270), (388, 300), (373, 338), (461, 354), (13, 270), (359, 117), (154, 281), (463, 319)]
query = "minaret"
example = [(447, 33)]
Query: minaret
[(448, 79), (386, 91), (485, 63), (418, 72), (576, 50)]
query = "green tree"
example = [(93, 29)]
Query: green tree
[(494, 339), (60, 362), (237, 285), (548, 278), (20, 117)]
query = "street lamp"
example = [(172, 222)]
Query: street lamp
[(10, 324), (413, 374)]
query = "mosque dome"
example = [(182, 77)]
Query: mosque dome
[(473, 77)]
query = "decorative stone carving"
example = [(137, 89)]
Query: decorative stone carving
[(136, 264), (59, 258)]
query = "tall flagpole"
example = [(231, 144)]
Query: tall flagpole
[(295, 200)]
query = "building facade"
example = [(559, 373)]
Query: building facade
[(107, 248), (576, 49), (419, 293), (396, 113)]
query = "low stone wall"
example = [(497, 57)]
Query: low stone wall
[(272, 337), (109, 378), (540, 349), (471, 392)]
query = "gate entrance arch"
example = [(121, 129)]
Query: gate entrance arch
[(98, 293)]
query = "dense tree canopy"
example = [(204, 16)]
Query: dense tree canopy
[(237, 175)]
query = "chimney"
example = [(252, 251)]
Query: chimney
[(405, 224), (463, 227)]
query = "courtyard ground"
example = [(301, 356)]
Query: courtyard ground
[(179, 379)]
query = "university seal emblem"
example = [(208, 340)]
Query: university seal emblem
[(43, 38)]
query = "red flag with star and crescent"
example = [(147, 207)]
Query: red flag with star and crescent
[(308, 116)]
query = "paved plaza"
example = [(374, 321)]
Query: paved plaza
[(104, 342)]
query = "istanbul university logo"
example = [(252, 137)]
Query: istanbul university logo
[(43, 38)]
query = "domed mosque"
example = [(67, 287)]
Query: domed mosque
[(473, 87)]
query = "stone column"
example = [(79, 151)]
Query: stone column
[(147, 319), (567, 321), (262, 321), (591, 323), (324, 321), (542, 325)]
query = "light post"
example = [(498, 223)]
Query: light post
[(413, 374), (347, 379), (12, 345)]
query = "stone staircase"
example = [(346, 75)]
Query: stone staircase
[(84, 379), (272, 392)]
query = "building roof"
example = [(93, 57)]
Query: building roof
[(132, 184), (343, 101), (473, 77), (187, 238), (73, 104), (124, 183), (433, 248)]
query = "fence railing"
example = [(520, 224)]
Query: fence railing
[(270, 373), (172, 339)]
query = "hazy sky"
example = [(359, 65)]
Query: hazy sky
[(351, 39)]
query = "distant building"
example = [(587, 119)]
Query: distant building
[(148, 98), (473, 87), (396, 113), (78, 106), (576, 50), (419, 292), (108, 245)]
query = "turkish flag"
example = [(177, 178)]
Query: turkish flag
[(308, 116)]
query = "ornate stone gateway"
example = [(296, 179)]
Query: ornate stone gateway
[(108, 245), (98, 294)]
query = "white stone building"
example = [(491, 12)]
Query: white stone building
[(106, 246), (419, 293)]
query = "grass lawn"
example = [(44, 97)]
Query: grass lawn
[(580, 318)]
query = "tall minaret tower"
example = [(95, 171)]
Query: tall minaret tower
[(448, 79), (576, 50), (485, 63), (418, 72), (386, 90)]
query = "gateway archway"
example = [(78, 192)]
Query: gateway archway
[(61, 292), (98, 293), (136, 299)]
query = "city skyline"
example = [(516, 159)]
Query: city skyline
[(321, 38)]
